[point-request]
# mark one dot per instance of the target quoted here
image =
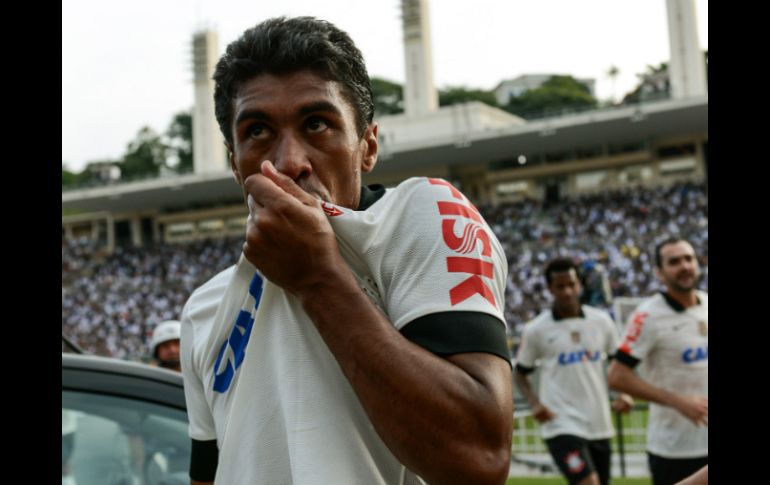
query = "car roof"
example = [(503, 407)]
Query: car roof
[(108, 376), (117, 366)]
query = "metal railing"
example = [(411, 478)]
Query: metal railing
[(528, 447)]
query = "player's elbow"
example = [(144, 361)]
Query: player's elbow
[(486, 463), (615, 377), (494, 465), (491, 461)]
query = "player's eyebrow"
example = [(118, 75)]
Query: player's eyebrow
[(318, 106)]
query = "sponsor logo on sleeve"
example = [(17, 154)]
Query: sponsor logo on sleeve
[(633, 332), (464, 217)]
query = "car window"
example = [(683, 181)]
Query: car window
[(110, 440)]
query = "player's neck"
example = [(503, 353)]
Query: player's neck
[(568, 311), (687, 298)]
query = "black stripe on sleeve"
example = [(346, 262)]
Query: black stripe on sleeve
[(626, 359), (523, 369), (447, 333), (204, 458)]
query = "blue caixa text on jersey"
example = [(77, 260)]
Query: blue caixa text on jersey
[(695, 354), (568, 358)]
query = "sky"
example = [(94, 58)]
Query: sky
[(126, 65)]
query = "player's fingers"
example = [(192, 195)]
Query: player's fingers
[(286, 183)]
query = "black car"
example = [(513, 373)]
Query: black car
[(123, 423)]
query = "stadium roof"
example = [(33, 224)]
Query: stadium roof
[(662, 119)]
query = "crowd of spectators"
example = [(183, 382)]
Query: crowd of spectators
[(111, 302), (614, 230)]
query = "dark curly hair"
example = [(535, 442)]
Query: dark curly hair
[(559, 265), (284, 45)]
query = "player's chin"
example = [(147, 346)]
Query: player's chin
[(688, 280), (685, 286)]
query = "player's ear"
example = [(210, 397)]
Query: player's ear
[(659, 274), (370, 147), (233, 165)]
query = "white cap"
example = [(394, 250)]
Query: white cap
[(165, 331)]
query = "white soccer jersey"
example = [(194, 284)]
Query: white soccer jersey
[(260, 379), (572, 353), (672, 344)]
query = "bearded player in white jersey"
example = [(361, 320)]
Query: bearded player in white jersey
[(360, 338), (668, 334)]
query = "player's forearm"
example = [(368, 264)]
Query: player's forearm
[(444, 423), (522, 382), (621, 378)]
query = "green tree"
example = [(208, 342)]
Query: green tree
[(68, 177), (93, 174), (388, 97), (144, 155), (652, 82), (460, 94), (556, 95), (179, 143)]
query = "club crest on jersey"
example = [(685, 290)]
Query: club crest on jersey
[(695, 354), (575, 336), (330, 210), (575, 464), (703, 328), (233, 351), (472, 233)]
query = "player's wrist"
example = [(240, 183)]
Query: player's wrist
[(326, 287), (673, 400)]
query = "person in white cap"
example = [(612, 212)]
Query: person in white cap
[(164, 346)]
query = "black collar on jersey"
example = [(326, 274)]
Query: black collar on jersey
[(558, 317), (369, 195), (675, 305)]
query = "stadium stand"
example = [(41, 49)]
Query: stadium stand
[(110, 302)]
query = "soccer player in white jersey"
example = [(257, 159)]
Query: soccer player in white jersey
[(571, 343), (360, 338), (668, 334)]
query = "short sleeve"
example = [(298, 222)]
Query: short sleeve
[(639, 337), (439, 255), (201, 421)]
